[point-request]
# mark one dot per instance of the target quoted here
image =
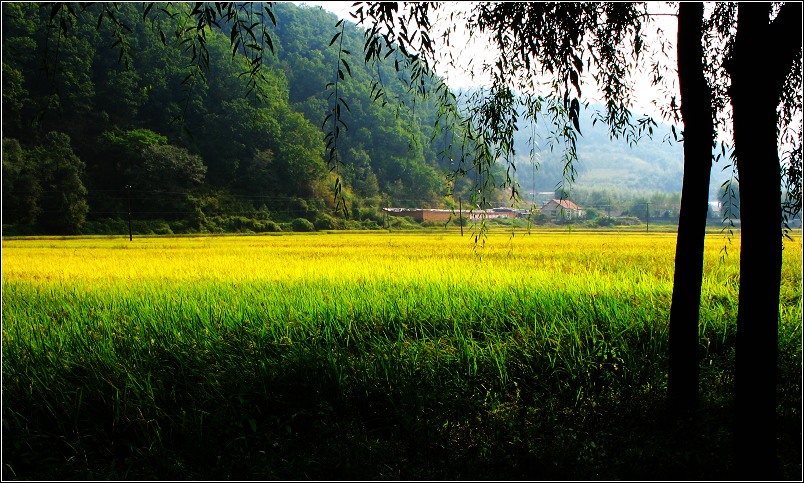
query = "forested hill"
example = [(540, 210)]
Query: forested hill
[(87, 138), (102, 125)]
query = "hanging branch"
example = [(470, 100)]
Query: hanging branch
[(334, 120)]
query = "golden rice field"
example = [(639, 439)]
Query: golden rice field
[(303, 283), (152, 341), (602, 259), (633, 266)]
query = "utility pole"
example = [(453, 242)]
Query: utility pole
[(534, 181), (460, 214), (128, 197), (647, 216)]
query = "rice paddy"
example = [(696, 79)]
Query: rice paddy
[(354, 355)]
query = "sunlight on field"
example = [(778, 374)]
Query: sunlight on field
[(554, 257), (304, 279)]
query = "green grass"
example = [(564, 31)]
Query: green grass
[(424, 376)]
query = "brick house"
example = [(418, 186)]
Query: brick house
[(420, 214)]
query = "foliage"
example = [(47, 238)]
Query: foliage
[(21, 187), (302, 225), (43, 185)]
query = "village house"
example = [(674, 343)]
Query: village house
[(431, 214), (563, 209)]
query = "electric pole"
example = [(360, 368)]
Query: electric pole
[(128, 197)]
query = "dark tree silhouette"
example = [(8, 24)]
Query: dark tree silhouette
[(697, 116), (765, 49)]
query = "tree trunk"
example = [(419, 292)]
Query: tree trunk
[(696, 113), (756, 368), (762, 56)]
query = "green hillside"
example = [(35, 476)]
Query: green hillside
[(100, 122)]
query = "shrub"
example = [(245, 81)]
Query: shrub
[(271, 226), (352, 225), (502, 221), (370, 225), (239, 224), (107, 226), (324, 222), (605, 221), (161, 229), (302, 224), (402, 223), (433, 223), (22, 230), (299, 207), (627, 220), (457, 220)]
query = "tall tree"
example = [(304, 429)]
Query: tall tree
[(698, 118), (63, 196), (766, 47), (21, 186)]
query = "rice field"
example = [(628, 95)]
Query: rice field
[(255, 356)]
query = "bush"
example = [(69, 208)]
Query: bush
[(21, 230), (457, 220), (302, 224), (107, 226), (627, 220), (324, 222), (402, 223), (372, 213), (239, 224), (352, 225), (605, 221), (300, 208), (117, 226), (502, 221), (161, 229), (271, 226), (370, 225), (434, 223)]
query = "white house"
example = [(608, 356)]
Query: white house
[(563, 209)]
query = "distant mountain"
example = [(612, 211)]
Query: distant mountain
[(654, 164)]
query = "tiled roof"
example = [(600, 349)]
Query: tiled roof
[(566, 204)]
